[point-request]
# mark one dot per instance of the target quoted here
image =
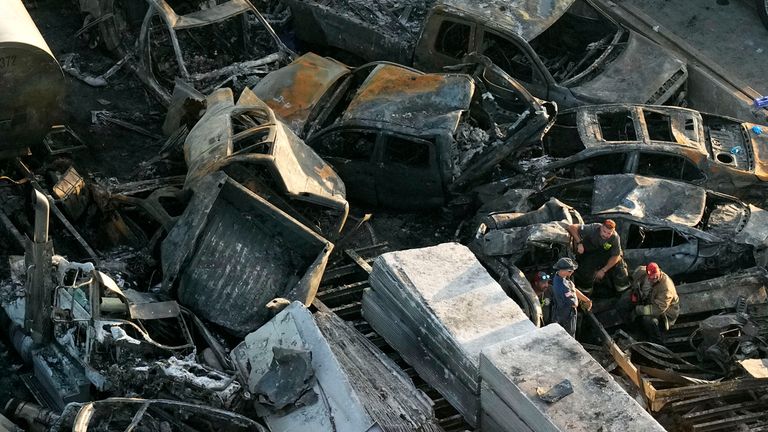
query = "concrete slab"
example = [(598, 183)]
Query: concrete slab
[(514, 370), (438, 307), (449, 282), (495, 415)]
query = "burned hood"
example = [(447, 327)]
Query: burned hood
[(649, 198), (294, 91), (525, 18), (213, 143), (396, 95), (511, 241), (758, 137), (755, 232), (642, 73)]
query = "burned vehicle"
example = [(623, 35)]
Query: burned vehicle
[(246, 141), (150, 414), (513, 246), (565, 51), (161, 40), (719, 153), (232, 252), (400, 137), (687, 230)]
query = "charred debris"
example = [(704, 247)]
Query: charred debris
[(303, 214)]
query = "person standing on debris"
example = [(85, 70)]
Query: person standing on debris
[(541, 287), (600, 255), (565, 296), (658, 304)]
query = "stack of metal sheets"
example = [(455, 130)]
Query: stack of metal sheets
[(438, 307)]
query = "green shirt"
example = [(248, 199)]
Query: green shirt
[(590, 238)]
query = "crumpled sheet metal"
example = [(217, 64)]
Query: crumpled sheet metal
[(396, 95), (295, 91), (525, 18), (100, 415), (296, 167), (649, 198), (232, 252), (722, 293), (686, 126), (510, 241)]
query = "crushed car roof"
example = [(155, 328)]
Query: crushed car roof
[(645, 197), (526, 18), (686, 125), (301, 172), (310, 76), (408, 98)]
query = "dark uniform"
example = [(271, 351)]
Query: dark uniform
[(564, 304), (596, 254)]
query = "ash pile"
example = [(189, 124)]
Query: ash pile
[(349, 215)]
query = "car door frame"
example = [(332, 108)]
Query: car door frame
[(388, 172)]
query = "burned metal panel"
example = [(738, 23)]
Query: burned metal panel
[(686, 126), (396, 95), (296, 169), (649, 198), (294, 91), (755, 233), (758, 138), (723, 292), (625, 79), (30, 102), (511, 241), (126, 413), (525, 18), (232, 252), (371, 33)]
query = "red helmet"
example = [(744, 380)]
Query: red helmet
[(652, 269)]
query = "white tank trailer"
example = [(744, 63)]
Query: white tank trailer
[(31, 82)]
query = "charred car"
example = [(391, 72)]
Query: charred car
[(513, 246), (686, 229), (246, 141), (400, 137), (162, 40), (715, 152), (565, 51)]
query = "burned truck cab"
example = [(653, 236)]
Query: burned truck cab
[(565, 51), (402, 138)]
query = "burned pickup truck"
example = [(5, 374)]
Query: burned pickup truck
[(719, 153), (402, 138), (564, 51)]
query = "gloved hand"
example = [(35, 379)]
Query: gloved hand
[(642, 310)]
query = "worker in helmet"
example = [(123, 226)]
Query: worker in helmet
[(565, 296), (658, 305)]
